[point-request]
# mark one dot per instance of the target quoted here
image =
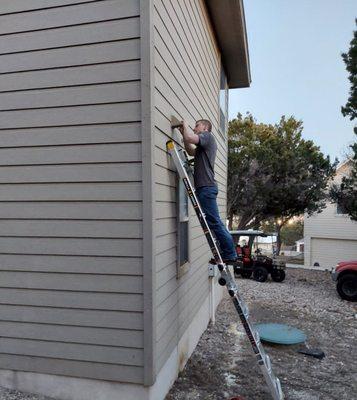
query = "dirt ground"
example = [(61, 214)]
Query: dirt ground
[(223, 365)]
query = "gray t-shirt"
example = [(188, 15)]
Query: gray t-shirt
[(205, 157)]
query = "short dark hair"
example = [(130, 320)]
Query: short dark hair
[(206, 123)]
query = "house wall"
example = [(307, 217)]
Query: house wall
[(71, 291), (186, 76), (330, 237)]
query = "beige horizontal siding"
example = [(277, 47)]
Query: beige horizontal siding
[(165, 209), (75, 14), (174, 329), (69, 135), (71, 35), (72, 316), (71, 282), (58, 366), (72, 246), (71, 96), (164, 20), (78, 264), (165, 226), (14, 6), (71, 173), (19, 294), (79, 115), (92, 229), (69, 192), (72, 351), (71, 230), (71, 56), (70, 76), (187, 71), (329, 224), (329, 237), (72, 334), (86, 154)]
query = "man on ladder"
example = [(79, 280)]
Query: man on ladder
[(202, 145), (226, 278)]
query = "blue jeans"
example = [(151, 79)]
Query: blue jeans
[(207, 196)]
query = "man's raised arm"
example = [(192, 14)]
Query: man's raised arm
[(190, 139)]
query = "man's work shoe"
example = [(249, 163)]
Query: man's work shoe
[(213, 261), (230, 261)]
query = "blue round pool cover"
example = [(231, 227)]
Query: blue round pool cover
[(280, 333)]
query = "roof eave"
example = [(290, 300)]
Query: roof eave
[(228, 20)]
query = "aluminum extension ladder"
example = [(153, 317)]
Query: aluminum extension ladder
[(181, 162)]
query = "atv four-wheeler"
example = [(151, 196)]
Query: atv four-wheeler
[(255, 263)]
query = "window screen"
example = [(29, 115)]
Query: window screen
[(223, 103), (340, 208), (183, 220)]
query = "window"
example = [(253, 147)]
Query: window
[(223, 103), (340, 208), (183, 229)]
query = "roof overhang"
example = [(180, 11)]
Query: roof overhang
[(228, 20)]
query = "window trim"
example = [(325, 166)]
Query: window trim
[(182, 269), (222, 74), (338, 207)]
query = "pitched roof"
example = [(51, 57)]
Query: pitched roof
[(228, 20)]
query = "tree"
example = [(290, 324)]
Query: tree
[(292, 232), (273, 172), (350, 59), (286, 233), (346, 193), (248, 175)]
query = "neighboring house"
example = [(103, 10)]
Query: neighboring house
[(103, 266), (299, 245), (266, 244), (330, 236)]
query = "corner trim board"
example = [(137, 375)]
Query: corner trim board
[(147, 79)]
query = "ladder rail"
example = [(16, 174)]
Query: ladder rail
[(226, 277)]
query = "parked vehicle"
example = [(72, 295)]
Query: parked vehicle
[(345, 276), (255, 263)]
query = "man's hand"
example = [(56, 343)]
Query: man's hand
[(188, 135), (184, 128)]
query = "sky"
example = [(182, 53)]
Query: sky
[(295, 51)]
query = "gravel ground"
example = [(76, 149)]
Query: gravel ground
[(6, 394), (223, 365)]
